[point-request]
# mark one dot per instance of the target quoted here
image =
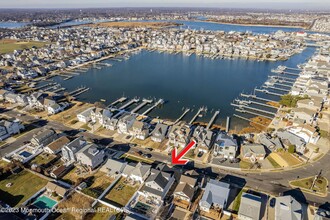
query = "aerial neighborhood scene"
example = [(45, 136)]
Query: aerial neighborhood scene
[(180, 110)]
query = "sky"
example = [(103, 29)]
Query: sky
[(264, 4)]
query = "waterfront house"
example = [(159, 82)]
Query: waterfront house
[(157, 185), (85, 116), (125, 123), (56, 108), (100, 115), (90, 155), (36, 100), (111, 124), (10, 127), (48, 101), (214, 199), (159, 133), (22, 100), (305, 114), (70, 149), (204, 139), (179, 135), (185, 191), (43, 138), (314, 104), (137, 172), (271, 143), (250, 207), (289, 138), (56, 146), (11, 97), (3, 93), (253, 152), (139, 130), (288, 208), (225, 146), (306, 132)]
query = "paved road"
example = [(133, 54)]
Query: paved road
[(271, 182)]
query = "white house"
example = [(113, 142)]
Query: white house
[(85, 116)]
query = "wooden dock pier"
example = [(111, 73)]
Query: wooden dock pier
[(144, 102), (253, 113), (212, 119), (258, 98), (159, 102), (183, 114), (120, 100), (252, 108), (196, 115), (135, 100)]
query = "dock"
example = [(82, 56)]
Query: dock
[(78, 91), (135, 100), (144, 102), (212, 119), (268, 92), (248, 102), (81, 91), (43, 86), (252, 108), (59, 90), (253, 113), (159, 102), (276, 88), (183, 114), (196, 115), (258, 98), (120, 100), (289, 73), (241, 117)]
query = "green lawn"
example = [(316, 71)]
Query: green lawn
[(8, 46), (121, 193), (245, 164), (132, 158), (306, 183), (3, 163), (237, 201), (102, 213), (42, 159), (25, 184)]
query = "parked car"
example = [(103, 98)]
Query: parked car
[(149, 149)]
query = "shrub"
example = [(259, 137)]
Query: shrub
[(291, 149)]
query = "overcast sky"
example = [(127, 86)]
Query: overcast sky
[(271, 4)]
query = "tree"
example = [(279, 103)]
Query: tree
[(291, 100), (291, 149)]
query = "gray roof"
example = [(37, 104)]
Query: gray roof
[(140, 169), (253, 148), (287, 208), (292, 138), (216, 192), (159, 177), (250, 206), (224, 140), (160, 130), (113, 167)]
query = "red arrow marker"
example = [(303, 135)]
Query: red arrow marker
[(177, 158)]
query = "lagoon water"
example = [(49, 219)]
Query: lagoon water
[(183, 81)]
